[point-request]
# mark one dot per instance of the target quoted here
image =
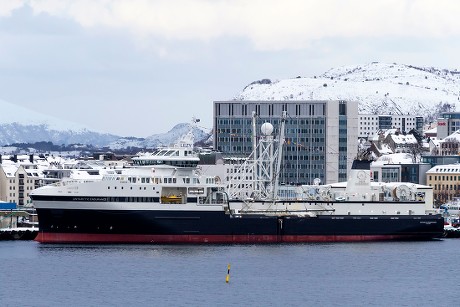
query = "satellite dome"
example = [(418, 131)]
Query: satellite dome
[(266, 128)]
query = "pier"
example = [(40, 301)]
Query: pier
[(17, 224), (18, 233)]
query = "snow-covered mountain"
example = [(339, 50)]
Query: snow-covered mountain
[(378, 87), (162, 139), (12, 113), (21, 125)]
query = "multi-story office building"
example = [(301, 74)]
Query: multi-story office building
[(370, 124), (320, 136), (448, 123)]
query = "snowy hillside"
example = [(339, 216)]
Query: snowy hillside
[(378, 87)]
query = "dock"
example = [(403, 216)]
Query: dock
[(18, 233), (17, 223)]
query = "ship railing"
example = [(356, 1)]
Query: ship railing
[(284, 211), (66, 182), (432, 212), (63, 183), (274, 212)]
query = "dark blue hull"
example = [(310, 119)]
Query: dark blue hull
[(130, 226)]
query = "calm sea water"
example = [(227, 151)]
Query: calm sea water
[(345, 274)]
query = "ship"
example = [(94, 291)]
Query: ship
[(164, 198)]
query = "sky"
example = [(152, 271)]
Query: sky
[(138, 67)]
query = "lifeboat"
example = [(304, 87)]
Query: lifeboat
[(172, 199)]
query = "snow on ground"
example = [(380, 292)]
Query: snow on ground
[(378, 87)]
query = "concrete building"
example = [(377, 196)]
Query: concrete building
[(393, 141), (400, 143), (19, 175), (370, 124), (434, 160), (321, 137), (399, 167), (449, 146), (448, 123), (445, 180)]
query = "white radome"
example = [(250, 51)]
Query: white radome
[(266, 129)]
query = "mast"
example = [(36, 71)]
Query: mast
[(254, 139), (254, 131), (280, 155)]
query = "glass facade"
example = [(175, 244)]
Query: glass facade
[(419, 124), (440, 160), (453, 125), (385, 122), (304, 150), (410, 173), (450, 115), (390, 174), (343, 133)]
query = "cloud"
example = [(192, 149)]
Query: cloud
[(267, 24), (6, 7)]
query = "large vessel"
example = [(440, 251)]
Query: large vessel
[(163, 198)]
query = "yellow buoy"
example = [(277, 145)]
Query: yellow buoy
[(228, 274)]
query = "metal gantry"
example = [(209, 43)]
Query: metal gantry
[(257, 177)]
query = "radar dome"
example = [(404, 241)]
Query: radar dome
[(266, 128)]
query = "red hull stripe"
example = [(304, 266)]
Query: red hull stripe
[(44, 237)]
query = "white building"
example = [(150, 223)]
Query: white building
[(399, 167), (402, 143), (369, 124), (19, 175)]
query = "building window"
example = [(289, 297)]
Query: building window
[(342, 108)]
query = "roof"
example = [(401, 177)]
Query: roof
[(431, 131), (9, 169), (404, 139), (396, 158), (384, 149), (446, 169), (454, 137)]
